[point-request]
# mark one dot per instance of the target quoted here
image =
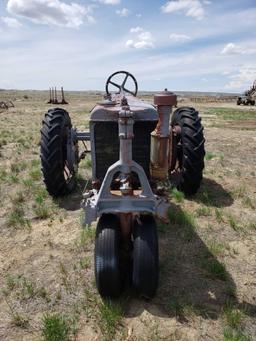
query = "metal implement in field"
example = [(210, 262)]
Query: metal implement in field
[(249, 96), (136, 148), (53, 99)]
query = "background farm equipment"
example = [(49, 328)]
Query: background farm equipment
[(54, 97), (249, 96), (136, 149), (6, 105)]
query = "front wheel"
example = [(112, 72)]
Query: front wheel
[(106, 257), (145, 256), (188, 150)]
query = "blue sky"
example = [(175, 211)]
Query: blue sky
[(193, 45)]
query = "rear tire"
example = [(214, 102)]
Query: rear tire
[(189, 163), (59, 180), (106, 257), (145, 257)]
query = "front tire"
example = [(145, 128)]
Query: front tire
[(187, 168), (106, 257), (145, 257), (58, 177)]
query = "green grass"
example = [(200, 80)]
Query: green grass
[(183, 219), (214, 268), (178, 308), (206, 196), (177, 195), (41, 210), (209, 156), (24, 288), (247, 202), (219, 215), (230, 334), (88, 163), (110, 317), (16, 217), (233, 316), (20, 320), (55, 327), (85, 263), (239, 192), (233, 114), (11, 282), (233, 223), (87, 236), (216, 248), (203, 211), (41, 207), (35, 174)]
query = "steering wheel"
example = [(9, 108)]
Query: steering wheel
[(121, 87)]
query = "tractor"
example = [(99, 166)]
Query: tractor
[(137, 151)]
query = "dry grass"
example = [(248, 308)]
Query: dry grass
[(207, 253)]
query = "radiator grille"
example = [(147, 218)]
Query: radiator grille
[(107, 145)]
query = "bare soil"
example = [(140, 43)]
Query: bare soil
[(46, 259)]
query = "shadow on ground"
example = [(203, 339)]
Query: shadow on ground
[(191, 278), (72, 201), (213, 194)]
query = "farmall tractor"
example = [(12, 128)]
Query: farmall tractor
[(136, 150)]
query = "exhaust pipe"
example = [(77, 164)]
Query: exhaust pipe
[(160, 137)]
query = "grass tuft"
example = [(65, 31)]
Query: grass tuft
[(86, 237), (16, 217), (214, 268), (203, 211), (209, 156), (233, 316), (183, 219), (235, 335), (234, 224), (110, 316), (177, 195), (55, 327), (20, 320), (219, 215)]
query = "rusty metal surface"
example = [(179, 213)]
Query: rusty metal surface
[(161, 143), (159, 156), (165, 98), (53, 96), (108, 110), (126, 226), (6, 105)]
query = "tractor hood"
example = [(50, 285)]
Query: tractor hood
[(108, 110)]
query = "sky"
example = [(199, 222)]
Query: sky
[(182, 45)]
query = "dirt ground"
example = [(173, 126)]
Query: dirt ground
[(207, 286)]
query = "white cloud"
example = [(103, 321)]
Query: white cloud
[(231, 48), (51, 12), (191, 8), (136, 29), (124, 12), (143, 39), (110, 2), (11, 22), (181, 38), (138, 15), (243, 78)]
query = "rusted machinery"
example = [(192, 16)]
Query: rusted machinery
[(249, 96), (136, 149), (54, 97), (6, 104)]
